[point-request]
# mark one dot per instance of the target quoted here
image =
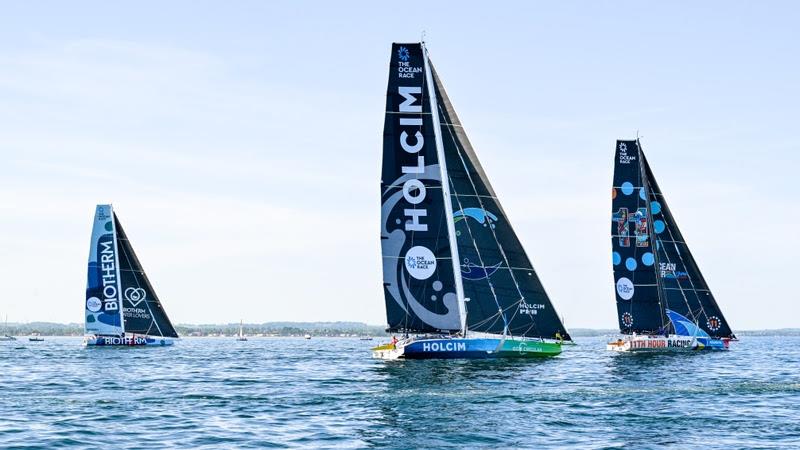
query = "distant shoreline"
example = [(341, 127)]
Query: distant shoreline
[(300, 329)]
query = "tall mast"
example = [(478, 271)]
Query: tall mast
[(448, 205), (116, 263), (651, 230)]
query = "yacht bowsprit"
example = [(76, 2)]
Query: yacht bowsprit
[(663, 301), (457, 282), (121, 307)]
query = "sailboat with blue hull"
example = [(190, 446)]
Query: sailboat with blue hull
[(663, 301), (457, 281), (121, 307)]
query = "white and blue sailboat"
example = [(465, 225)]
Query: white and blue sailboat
[(457, 281), (663, 301), (121, 307)]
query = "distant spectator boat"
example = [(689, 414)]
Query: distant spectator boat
[(241, 333)]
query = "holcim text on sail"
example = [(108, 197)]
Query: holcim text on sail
[(413, 189), (109, 275)]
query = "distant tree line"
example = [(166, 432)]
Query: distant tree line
[(297, 329)]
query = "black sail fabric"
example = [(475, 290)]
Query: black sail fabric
[(684, 290), (142, 311), (502, 288), (639, 307), (418, 278)]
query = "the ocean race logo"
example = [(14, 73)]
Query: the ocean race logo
[(403, 54), (420, 262), (404, 67), (624, 157), (625, 288)]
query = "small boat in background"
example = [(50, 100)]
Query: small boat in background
[(6, 336), (365, 338), (307, 336), (35, 337), (663, 301), (241, 333)]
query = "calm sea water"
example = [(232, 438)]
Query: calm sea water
[(320, 393)]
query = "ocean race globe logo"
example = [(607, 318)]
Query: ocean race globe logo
[(93, 304), (420, 262), (403, 54), (625, 288), (135, 295)]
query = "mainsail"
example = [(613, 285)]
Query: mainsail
[(655, 274), (492, 276), (119, 297), (142, 310), (103, 308)]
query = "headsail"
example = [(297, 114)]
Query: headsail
[(103, 309), (418, 277), (142, 310), (654, 287), (684, 289), (505, 294)]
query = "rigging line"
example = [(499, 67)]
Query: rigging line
[(475, 245), (691, 282), (678, 281), (469, 229), (480, 202)]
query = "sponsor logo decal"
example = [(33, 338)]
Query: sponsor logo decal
[(444, 346), (420, 262), (662, 343), (108, 272), (627, 319), (714, 323), (135, 295), (625, 288), (669, 271), (93, 304), (624, 157), (402, 54), (530, 309)]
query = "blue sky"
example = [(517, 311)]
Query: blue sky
[(240, 143)]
